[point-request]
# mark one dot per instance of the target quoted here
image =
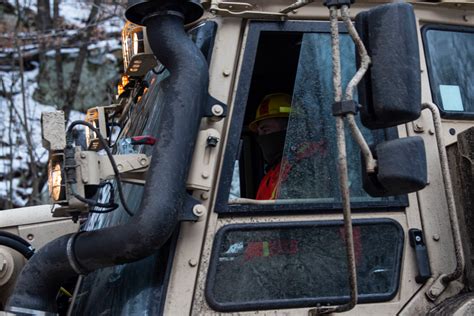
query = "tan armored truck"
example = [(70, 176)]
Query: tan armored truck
[(373, 203)]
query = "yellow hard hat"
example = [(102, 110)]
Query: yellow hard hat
[(272, 106)]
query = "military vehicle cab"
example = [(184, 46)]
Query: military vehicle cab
[(373, 209)]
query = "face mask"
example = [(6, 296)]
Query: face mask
[(272, 146)]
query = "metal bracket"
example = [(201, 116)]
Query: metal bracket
[(437, 288), (236, 6), (95, 168), (215, 110), (200, 175), (186, 213), (98, 116), (441, 290), (242, 10), (345, 107), (132, 168), (92, 169)]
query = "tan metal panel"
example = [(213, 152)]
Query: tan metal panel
[(186, 262)]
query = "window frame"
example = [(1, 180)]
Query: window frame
[(434, 97), (303, 302), (233, 146)]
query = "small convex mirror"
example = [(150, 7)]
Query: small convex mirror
[(401, 168), (390, 93)]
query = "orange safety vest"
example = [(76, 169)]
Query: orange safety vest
[(268, 189), (269, 185)]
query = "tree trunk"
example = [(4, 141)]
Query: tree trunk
[(30, 147), (9, 202), (76, 74), (43, 18), (58, 57), (43, 24)]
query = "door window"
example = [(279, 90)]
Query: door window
[(291, 59), (287, 265)]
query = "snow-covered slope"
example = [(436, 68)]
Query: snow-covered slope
[(14, 157)]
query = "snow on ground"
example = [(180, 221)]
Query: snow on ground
[(103, 47)]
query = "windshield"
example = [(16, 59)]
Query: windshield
[(137, 288)]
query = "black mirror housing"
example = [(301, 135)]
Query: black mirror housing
[(401, 168), (390, 93)]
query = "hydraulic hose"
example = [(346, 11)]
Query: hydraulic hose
[(15, 237), (183, 97), (26, 251)]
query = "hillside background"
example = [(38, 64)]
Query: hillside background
[(54, 55)]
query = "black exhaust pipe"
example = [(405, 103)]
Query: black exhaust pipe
[(184, 99)]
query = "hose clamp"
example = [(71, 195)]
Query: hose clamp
[(338, 3), (345, 107), (71, 256), (27, 311)]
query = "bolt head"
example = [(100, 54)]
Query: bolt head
[(199, 210), (217, 110), (192, 262), (83, 156), (143, 162)]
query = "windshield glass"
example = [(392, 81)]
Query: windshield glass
[(310, 146), (137, 288), (450, 58)]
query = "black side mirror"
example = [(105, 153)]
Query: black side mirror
[(401, 168), (390, 92)]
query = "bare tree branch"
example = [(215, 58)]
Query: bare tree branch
[(9, 202)]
